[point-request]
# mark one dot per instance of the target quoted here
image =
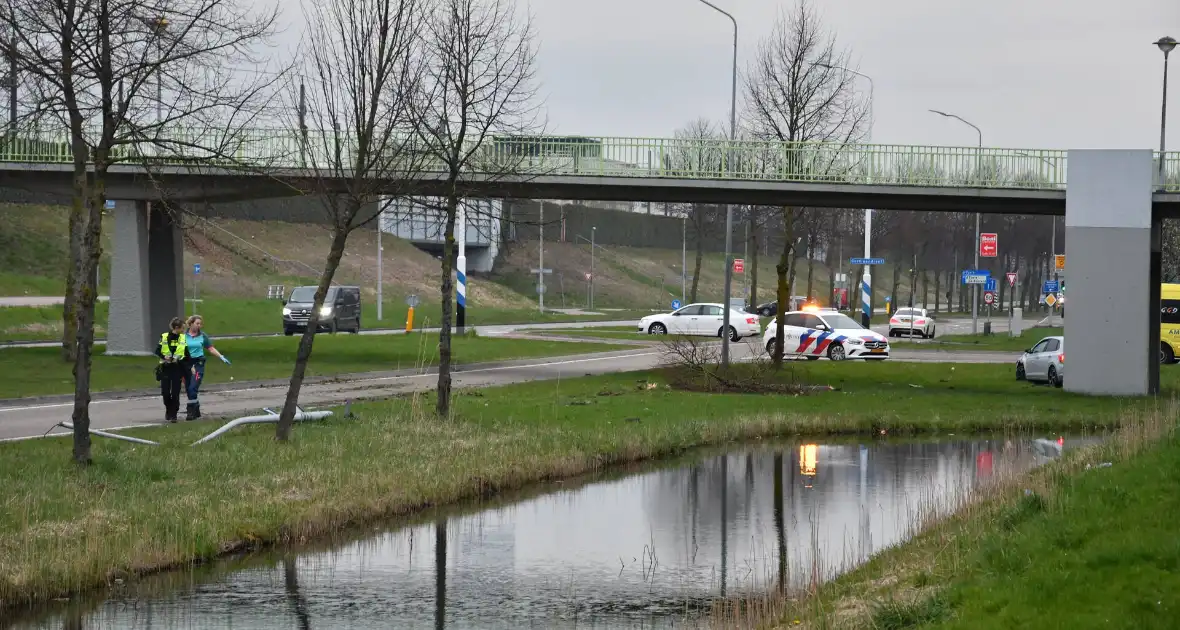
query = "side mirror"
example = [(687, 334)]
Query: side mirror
[(821, 327)]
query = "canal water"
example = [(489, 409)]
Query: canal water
[(646, 548)]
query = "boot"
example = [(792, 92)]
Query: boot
[(192, 411)]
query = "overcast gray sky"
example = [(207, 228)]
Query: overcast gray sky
[(1030, 73)]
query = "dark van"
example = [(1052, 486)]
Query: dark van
[(341, 311)]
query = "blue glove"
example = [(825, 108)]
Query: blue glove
[(225, 360)]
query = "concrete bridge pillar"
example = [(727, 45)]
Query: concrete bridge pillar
[(147, 285), (1113, 272)]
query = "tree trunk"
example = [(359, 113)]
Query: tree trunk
[(87, 296), (443, 405), (810, 253), (937, 289), (303, 354), (784, 271), (893, 291), (753, 266), (69, 314), (696, 270)]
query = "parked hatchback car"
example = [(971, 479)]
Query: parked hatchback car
[(701, 319), (341, 310), (815, 334), (917, 320), (1043, 363)]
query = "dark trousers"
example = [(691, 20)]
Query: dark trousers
[(192, 387), (173, 375)]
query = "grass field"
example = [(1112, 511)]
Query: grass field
[(40, 371), (164, 506), (997, 342)]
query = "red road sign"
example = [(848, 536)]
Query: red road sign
[(587, 276), (739, 265), (989, 245), (989, 298), (1012, 278)]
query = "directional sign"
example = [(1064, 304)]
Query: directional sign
[(989, 245), (990, 285), (196, 268), (867, 261), (540, 271), (1059, 262), (1051, 286), (411, 300), (989, 298), (109, 204), (739, 265), (1012, 278), (976, 276), (675, 305)]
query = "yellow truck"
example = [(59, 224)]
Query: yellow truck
[(1169, 322)]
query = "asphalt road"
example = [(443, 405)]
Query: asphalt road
[(31, 418)]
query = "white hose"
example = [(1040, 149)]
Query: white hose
[(270, 417)]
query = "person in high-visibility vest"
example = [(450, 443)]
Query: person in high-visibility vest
[(174, 364)]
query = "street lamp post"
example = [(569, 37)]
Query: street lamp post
[(1167, 45), (159, 25), (866, 291), (975, 288), (729, 207)]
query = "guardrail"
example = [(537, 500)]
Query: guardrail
[(754, 160)]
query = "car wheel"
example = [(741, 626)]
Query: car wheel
[(1020, 376), (932, 332), (1053, 378), (657, 329), (770, 347), (1167, 355), (733, 334), (836, 352)]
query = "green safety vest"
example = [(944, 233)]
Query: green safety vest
[(173, 349)]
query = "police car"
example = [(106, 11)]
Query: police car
[(815, 333)]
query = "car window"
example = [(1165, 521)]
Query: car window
[(795, 319), (1170, 311), (692, 309), (1052, 346), (711, 311), (839, 320), (1040, 347), (303, 294), (352, 296), (811, 321)]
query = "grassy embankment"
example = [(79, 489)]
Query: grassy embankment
[(1088, 541), (144, 508), (41, 372)]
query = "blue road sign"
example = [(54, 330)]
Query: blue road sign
[(990, 285), (867, 261), (976, 276), (110, 204), (196, 268), (675, 304), (1051, 286)]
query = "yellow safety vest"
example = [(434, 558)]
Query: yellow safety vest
[(174, 349)]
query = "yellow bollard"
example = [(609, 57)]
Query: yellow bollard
[(410, 319)]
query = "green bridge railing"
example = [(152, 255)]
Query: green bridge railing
[(748, 160)]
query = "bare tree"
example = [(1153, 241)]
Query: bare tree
[(480, 70), (796, 93), (364, 67), (89, 66)]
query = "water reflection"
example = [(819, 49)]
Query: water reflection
[(644, 550)]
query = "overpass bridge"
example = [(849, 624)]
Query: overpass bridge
[(1113, 201)]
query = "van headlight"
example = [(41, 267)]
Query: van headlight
[(326, 311), (286, 311)]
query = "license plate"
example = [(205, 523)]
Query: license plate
[(877, 351)]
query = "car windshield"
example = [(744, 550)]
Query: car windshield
[(837, 320), (307, 294), (907, 312)]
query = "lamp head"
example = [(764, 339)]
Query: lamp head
[(1166, 44)]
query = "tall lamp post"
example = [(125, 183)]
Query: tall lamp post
[(975, 288), (1167, 45), (866, 289), (729, 207)]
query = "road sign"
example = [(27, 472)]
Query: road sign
[(1050, 300), (739, 265), (109, 204), (540, 288), (196, 268), (976, 276), (990, 285), (675, 305), (1051, 286), (867, 261), (588, 276), (540, 271), (1060, 297), (1012, 278), (989, 245), (1059, 262), (411, 300), (989, 298)]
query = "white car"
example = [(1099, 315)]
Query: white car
[(813, 334), (921, 321), (705, 320), (1043, 363)]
